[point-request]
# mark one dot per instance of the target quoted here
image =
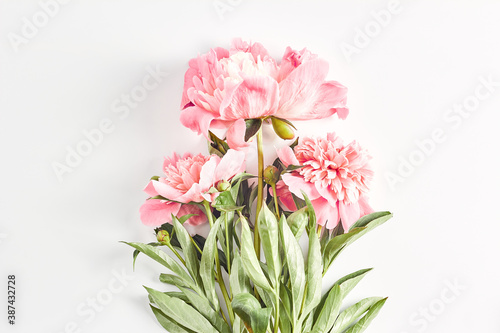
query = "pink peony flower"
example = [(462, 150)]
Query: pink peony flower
[(224, 86), (188, 179), (334, 176)]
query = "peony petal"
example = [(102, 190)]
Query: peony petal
[(364, 207), (207, 173), (235, 135), (166, 191), (327, 194), (287, 156), (254, 97), (321, 209), (156, 212), (349, 214), (298, 91), (197, 119), (331, 96), (150, 189), (284, 195), (231, 164), (296, 184)]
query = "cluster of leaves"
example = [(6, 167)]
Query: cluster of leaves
[(282, 292)]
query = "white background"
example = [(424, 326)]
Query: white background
[(60, 238)]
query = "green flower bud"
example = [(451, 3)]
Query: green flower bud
[(223, 185), (283, 128), (271, 175), (163, 237)]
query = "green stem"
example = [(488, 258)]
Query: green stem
[(260, 191), (222, 285), (276, 201), (277, 316), (176, 254), (228, 254)]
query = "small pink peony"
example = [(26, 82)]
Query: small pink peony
[(224, 87), (334, 176), (188, 179)]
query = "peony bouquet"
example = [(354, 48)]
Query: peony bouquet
[(250, 273)]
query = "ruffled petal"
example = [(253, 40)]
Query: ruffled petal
[(254, 97)]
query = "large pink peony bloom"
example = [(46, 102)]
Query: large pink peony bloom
[(334, 176), (188, 179), (224, 87)]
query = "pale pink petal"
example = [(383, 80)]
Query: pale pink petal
[(165, 190), (298, 92), (333, 216), (364, 207), (287, 156), (293, 59), (254, 97), (150, 189), (349, 214), (326, 193), (194, 194), (231, 164), (322, 210), (207, 174), (331, 97), (197, 119), (296, 184), (155, 212), (235, 135)]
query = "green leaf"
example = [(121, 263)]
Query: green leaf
[(295, 264), (348, 282), (247, 307), (169, 324), (314, 275), (329, 312), (372, 220), (225, 202), (352, 313), (243, 304), (217, 146), (260, 320), (361, 227), (136, 252), (203, 306), (269, 235), (249, 258), (190, 252), (174, 280), (181, 312), (363, 323), (285, 309), (297, 221), (207, 265), (161, 257), (310, 211), (238, 280), (336, 245), (252, 127)]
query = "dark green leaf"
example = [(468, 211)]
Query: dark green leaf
[(252, 127)]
